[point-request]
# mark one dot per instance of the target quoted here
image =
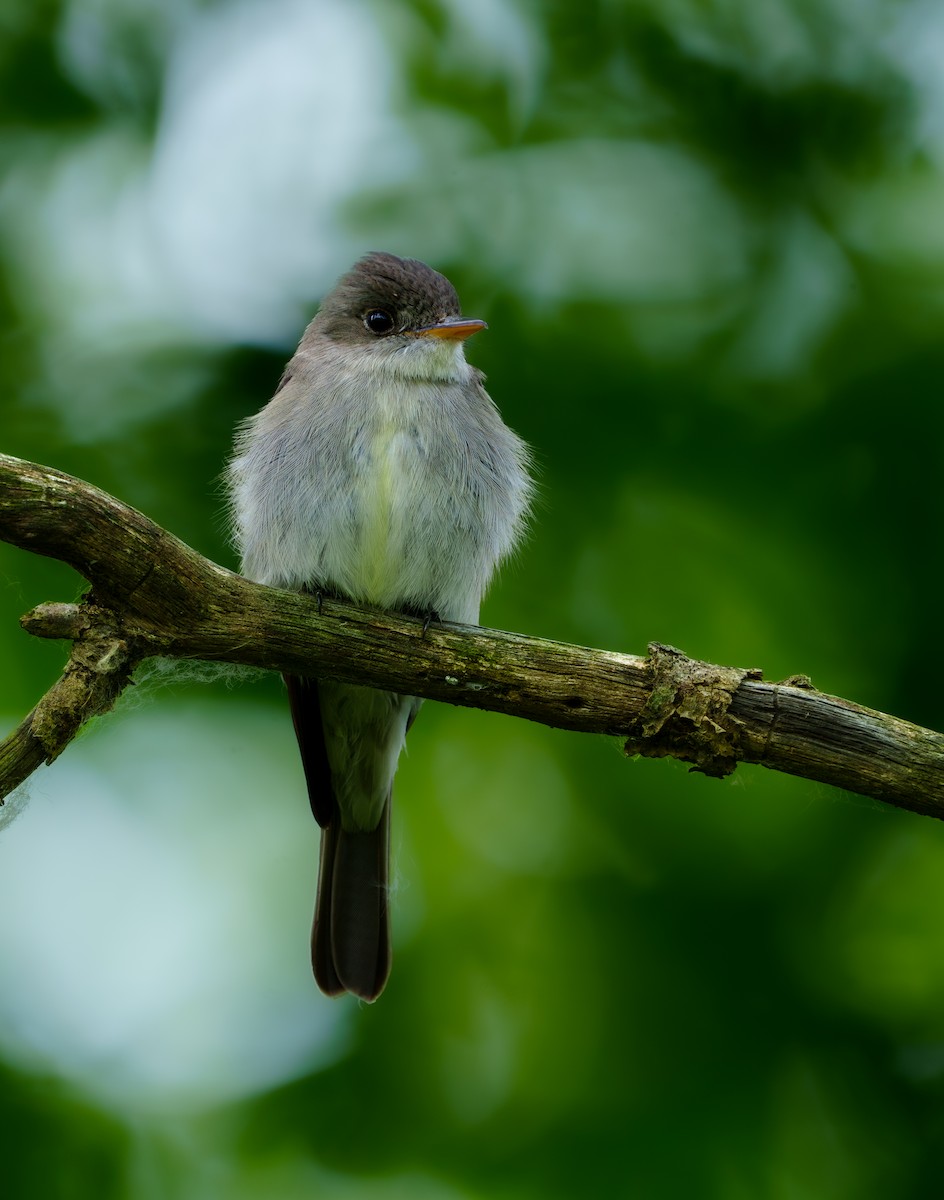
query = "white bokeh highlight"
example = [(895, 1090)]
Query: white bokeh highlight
[(157, 896)]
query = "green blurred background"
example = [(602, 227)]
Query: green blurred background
[(708, 237)]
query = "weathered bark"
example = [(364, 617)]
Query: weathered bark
[(153, 595)]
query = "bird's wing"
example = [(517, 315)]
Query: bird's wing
[(306, 717)]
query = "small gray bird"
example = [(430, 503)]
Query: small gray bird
[(380, 472)]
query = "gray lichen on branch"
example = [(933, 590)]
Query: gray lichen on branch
[(152, 595)]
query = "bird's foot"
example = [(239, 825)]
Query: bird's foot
[(428, 620)]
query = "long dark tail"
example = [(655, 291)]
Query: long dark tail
[(350, 938)]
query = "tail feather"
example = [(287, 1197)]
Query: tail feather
[(322, 957), (350, 938)]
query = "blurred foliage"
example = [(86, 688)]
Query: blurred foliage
[(707, 238)]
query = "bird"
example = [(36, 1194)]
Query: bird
[(381, 473)]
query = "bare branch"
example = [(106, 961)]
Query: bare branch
[(153, 595), (99, 667)]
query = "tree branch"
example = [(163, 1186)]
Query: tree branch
[(153, 595)]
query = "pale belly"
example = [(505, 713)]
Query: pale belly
[(408, 538), (392, 505)]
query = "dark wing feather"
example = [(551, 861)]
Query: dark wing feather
[(306, 717)]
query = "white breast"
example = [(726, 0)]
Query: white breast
[(400, 494)]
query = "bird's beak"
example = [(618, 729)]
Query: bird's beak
[(455, 328)]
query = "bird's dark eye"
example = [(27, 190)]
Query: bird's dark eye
[(379, 321)]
